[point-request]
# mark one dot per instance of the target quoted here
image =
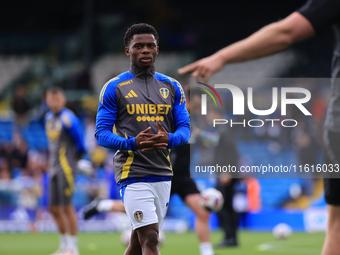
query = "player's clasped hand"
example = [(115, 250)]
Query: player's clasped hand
[(149, 142)]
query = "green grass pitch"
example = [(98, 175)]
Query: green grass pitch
[(186, 244)]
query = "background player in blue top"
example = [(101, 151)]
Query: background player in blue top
[(148, 111), (66, 146)]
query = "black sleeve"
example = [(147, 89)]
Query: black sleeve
[(321, 13)]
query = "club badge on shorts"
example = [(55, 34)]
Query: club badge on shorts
[(164, 92), (138, 215)]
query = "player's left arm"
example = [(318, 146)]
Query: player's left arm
[(181, 119), (270, 39), (73, 127)]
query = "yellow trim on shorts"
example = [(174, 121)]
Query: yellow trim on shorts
[(66, 169)]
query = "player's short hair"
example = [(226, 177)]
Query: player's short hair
[(55, 90), (137, 29)]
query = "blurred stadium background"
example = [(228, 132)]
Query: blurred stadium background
[(78, 45)]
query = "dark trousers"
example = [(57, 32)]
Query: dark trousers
[(227, 216)]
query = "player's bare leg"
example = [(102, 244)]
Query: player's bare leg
[(118, 206), (201, 224), (148, 239), (332, 241), (73, 228), (72, 219), (103, 205), (134, 246), (61, 219), (110, 205)]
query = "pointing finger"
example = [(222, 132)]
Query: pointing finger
[(197, 73), (188, 68)]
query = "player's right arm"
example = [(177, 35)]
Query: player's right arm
[(106, 118), (73, 127), (270, 39)]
